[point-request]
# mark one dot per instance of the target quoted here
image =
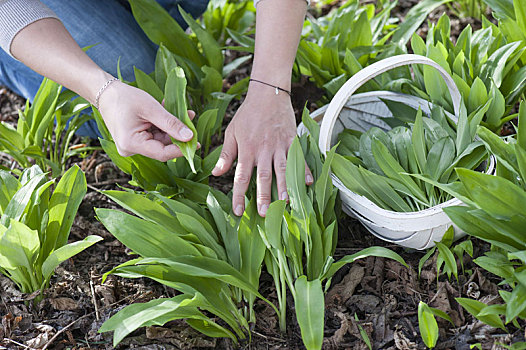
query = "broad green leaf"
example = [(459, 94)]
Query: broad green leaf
[(428, 325), (495, 195), (393, 170), (296, 187), (19, 246), (138, 315), (18, 204), (521, 131), (211, 48), (273, 223), (175, 103), (310, 309), (323, 187), (146, 83), (137, 235), (65, 252), (63, 207), (516, 304), (206, 235), (474, 307), (449, 259), (419, 144), (367, 252), (414, 18)]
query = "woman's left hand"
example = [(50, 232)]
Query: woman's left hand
[(259, 135)]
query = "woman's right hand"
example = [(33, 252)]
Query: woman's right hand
[(140, 125)]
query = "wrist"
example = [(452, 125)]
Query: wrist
[(95, 83), (261, 89)]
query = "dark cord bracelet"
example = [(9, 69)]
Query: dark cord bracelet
[(278, 89)]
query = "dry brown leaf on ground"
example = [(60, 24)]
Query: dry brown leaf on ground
[(336, 340), (401, 340), (442, 300), (342, 291), (63, 304)]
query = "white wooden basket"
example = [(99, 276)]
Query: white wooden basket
[(418, 230)]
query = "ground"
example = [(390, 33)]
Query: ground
[(377, 294)]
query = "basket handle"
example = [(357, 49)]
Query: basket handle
[(356, 81)]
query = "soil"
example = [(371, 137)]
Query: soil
[(377, 295)]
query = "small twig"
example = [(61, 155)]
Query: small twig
[(94, 300), (269, 337), (19, 344), (83, 317)]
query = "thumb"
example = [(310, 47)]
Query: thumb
[(170, 124)]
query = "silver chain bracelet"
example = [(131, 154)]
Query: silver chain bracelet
[(108, 83)]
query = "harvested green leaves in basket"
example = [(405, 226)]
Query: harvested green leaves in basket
[(406, 168)]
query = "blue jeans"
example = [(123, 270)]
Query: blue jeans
[(112, 27)]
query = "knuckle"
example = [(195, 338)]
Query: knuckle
[(163, 157), (281, 166), (239, 198), (264, 197), (172, 123), (225, 155), (242, 178), (264, 175)]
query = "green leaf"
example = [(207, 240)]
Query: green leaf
[(295, 175), (419, 144), (428, 325), (175, 103), (323, 188), (516, 304), (393, 170), (63, 207), (521, 131), (310, 308), (205, 127), (495, 195), (137, 235), (146, 83), (273, 223), (367, 252), (65, 252), (19, 247), (138, 315), (413, 19), (474, 307), (449, 259), (211, 48), (18, 204), (478, 95)]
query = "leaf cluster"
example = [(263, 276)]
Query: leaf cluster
[(45, 129), (494, 212), (35, 223), (208, 254)]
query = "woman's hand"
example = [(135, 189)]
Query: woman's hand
[(259, 135), (140, 125)]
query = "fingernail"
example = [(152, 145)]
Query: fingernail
[(263, 209), (239, 210), (186, 133), (309, 179), (283, 196), (220, 163)]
